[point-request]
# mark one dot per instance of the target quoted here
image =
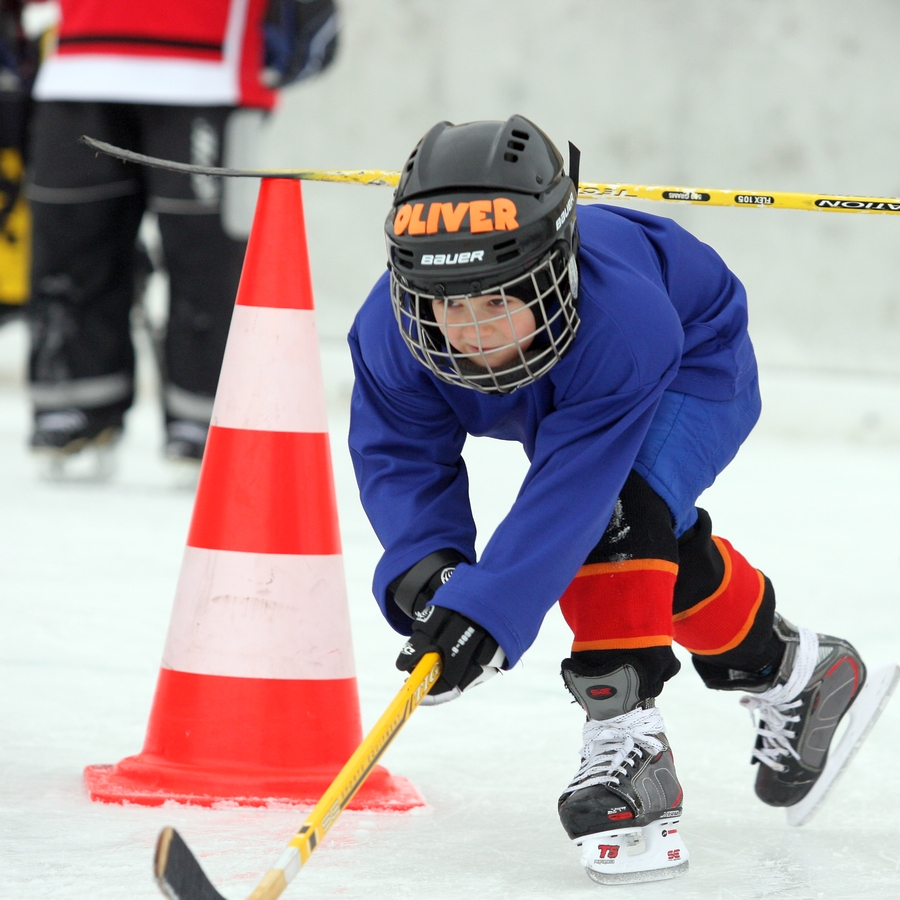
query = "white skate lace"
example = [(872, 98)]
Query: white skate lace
[(612, 746), (770, 710)]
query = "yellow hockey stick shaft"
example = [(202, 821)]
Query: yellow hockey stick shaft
[(588, 190), (349, 779), (745, 199)]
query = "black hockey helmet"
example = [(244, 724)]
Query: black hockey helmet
[(481, 209)]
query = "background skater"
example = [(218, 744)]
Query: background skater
[(187, 82)]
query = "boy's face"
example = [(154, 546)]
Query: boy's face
[(490, 330)]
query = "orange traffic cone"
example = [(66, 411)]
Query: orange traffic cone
[(257, 698)]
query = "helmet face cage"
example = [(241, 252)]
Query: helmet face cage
[(511, 334)]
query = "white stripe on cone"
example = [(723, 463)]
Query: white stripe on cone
[(271, 375), (260, 615)]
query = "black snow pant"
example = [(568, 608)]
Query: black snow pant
[(87, 208)]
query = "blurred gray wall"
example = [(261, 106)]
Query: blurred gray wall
[(794, 95)]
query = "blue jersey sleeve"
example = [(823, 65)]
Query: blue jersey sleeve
[(406, 446)]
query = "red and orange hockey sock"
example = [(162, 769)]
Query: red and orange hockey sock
[(619, 606), (723, 609), (721, 621)]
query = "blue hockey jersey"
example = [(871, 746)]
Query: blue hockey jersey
[(659, 311)]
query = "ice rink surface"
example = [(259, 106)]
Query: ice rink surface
[(769, 95), (88, 579)]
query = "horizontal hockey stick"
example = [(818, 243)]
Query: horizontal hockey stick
[(179, 874), (587, 190), (348, 176)]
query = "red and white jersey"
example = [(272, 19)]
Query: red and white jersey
[(178, 52)]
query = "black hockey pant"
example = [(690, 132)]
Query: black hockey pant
[(87, 208)]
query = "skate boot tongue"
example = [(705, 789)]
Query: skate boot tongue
[(605, 696), (777, 712)]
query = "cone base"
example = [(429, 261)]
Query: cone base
[(151, 781)]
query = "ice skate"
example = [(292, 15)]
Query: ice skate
[(185, 440), (185, 443), (623, 806), (797, 712), (76, 445)]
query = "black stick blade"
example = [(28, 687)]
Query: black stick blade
[(177, 871)]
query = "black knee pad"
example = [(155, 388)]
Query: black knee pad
[(640, 527)]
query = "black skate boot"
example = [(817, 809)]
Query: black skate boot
[(183, 450), (59, 436), (624, 804), (797, 710), (185, 440)]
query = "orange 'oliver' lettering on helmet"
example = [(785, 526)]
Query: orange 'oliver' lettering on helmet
[(401, 220), (410, 216), (416, 225), (453, 217), (505, 214), (478, 216), (434, 214)]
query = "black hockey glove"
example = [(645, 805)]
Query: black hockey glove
[(300, 38), (469, 654)]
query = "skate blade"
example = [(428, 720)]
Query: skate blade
[(652, 853), (183, 474), (91, 461), (634, 877), (863, 714)]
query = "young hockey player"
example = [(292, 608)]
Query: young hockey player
[(614, 346)]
